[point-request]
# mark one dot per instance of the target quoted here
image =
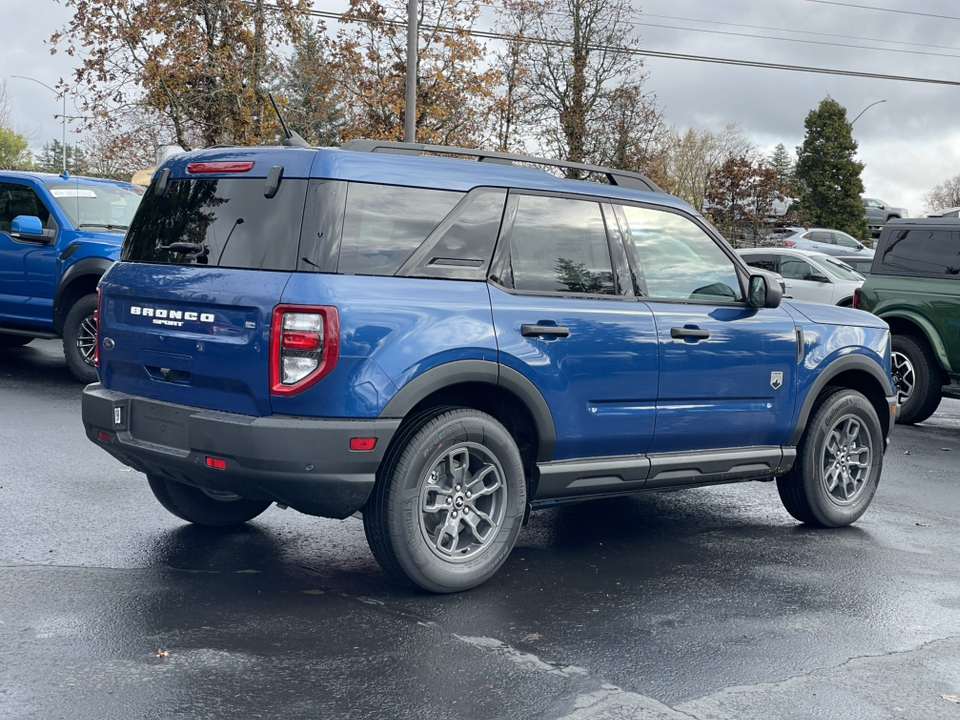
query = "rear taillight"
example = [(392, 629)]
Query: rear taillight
[(856, 298), (788, 243), (96, 321), (304, 347)]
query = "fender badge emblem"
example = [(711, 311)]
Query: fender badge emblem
[(776, 379)]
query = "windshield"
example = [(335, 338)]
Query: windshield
[(96, 205), (838, 268)]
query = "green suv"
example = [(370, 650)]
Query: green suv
[(914, 285)]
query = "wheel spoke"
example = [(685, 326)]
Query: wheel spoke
[(476, 521), (438, 499), (851, 432), (458, 465), (832, 476), (477, 486), (447, 536)]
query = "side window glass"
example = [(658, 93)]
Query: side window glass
[(923, 252), (793, 268), (762, 261), (462, 245), (21, 200), (560, 245), (845, 240), (820, 236), (384, 224), (679, 259)]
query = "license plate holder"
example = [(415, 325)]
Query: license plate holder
[(160, 424)]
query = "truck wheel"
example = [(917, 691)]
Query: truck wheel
[(80, 338), (449, 501), (14, 341), (205, 507), (918, 379), (838, 464)]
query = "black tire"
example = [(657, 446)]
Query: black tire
[(426, 522), (839, 461), (14, 341), (205, 507), (918, 378), (80, 338)]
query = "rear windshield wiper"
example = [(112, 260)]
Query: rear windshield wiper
[(188, 248)]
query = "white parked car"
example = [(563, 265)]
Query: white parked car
[(807, 275)]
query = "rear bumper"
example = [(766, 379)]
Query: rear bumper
[(305, 463)]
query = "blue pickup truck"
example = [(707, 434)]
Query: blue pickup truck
[(58, 235), (444, 345)]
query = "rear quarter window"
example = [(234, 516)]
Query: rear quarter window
[(930, 253)]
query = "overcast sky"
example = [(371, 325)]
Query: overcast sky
[(909, 144)]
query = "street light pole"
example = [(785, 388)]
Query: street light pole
[(865, 109), (63, 117)]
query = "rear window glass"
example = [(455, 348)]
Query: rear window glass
[(384, 224), (97, 206), (225, 222), (922, 252)]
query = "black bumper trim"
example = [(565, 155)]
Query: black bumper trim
[(305, 463)]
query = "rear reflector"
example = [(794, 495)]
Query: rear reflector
[(102, 436), (219, 167), (363, 444), (216, 463)]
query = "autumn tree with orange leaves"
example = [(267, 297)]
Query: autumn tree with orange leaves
[(197, 67), (454, 91)]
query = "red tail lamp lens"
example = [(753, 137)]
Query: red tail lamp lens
[(304, 347), (216, 463)]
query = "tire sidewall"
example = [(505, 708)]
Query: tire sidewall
[(836, 407), (916, 408), (412, 552), (81, 310)]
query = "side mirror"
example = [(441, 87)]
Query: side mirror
[(765, 292), (29, 227), (817, 277)]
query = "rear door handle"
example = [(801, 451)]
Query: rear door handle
[(686, 332), (540, 330)]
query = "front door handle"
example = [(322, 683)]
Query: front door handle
[(541, 330), (688, 332)]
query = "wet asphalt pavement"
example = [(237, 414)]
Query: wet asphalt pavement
[(710, 604)]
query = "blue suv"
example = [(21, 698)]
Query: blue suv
[(58, 235), (444, 345)]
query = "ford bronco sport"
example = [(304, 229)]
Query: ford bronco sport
[(444, 345), (914, 285)]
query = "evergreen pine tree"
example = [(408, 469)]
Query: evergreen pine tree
[(782, 163), (313, 109), (828, 175)]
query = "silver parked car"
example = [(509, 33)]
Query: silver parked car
[(811, 276), (831, 242)]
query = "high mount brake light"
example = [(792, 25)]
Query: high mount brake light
[(219, 167), (304, 347)]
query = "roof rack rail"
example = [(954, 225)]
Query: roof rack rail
[(622, 178)]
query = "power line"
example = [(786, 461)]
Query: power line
[(882, 9), (662, 54), (801, 32), (798, 40)]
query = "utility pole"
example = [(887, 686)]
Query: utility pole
[(410, 116), (259, 53)]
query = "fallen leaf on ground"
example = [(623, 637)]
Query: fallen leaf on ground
[(906, 452), (162, 653), (951, 698), (532, 637)]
